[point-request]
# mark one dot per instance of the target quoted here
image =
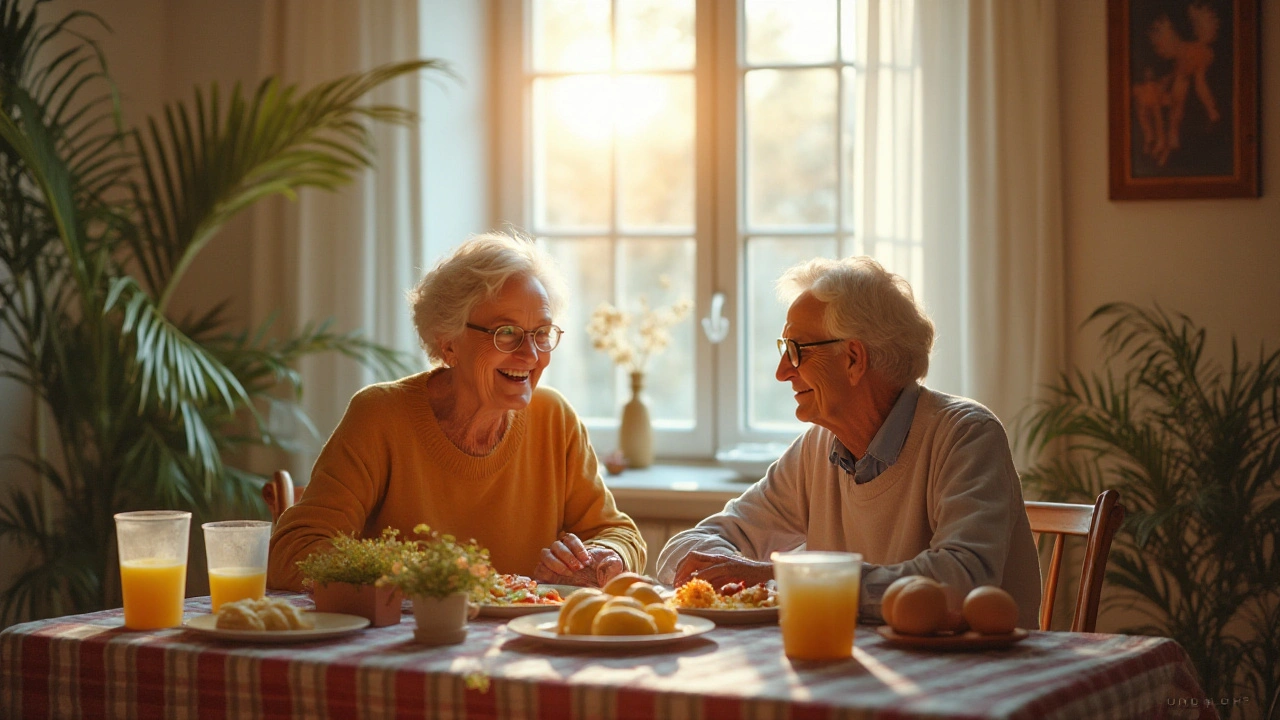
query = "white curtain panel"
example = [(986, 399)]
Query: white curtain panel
[(993, 210), (348, 255)]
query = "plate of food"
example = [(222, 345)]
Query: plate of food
[(732, 604), (542, 627), (273, 620), (951, 641), (517, 595)]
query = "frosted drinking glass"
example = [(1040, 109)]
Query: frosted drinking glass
[(152, 545), (818, 603), (236, 552)]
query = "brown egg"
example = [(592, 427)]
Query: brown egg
[(990, 610), (919, 608), (891, 594)]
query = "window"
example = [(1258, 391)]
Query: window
[(670, 149)]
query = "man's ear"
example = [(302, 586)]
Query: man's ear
[(855, 354)]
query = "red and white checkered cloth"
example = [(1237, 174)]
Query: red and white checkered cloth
[(90, 666)]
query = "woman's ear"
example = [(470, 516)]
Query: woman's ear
[(449, 351)]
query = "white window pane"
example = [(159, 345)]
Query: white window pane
[(661, 270), (571, 159), (586, 377), (791, 147), (771, 405), (570, 35), (655, 126), (853, 23), (790, 31), (655, 34)]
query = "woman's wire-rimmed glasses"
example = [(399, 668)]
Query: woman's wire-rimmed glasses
[(509, 338), (791, 348)]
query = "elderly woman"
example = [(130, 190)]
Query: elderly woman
[(473, 447), (918, 482)]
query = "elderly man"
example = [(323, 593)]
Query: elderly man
[(918, 482)]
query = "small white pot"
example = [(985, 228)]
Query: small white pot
[(441, 621)]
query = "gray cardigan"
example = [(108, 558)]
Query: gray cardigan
[(950, 508)]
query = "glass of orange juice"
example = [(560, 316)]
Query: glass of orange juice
[(153, 566), (817, 603), (237, 555)]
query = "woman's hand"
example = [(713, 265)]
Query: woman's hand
[(722, 569), (568, 562)]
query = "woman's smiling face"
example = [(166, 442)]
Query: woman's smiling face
[(494, 379)]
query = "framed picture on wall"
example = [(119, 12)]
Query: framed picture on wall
[(1182, 81)]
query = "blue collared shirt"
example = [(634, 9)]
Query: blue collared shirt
[(887, 443)]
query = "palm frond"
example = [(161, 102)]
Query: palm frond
[(1194, 448), (200, 173)]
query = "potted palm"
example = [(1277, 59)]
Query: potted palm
[(99, 223), (440, 576), (344, 577), (1194, 449)]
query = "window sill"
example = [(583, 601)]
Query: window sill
[(675, 492)]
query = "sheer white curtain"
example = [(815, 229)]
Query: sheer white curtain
[(347, 255), (993, 209)]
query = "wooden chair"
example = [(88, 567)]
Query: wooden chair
[(1098, 524), (278, 493)]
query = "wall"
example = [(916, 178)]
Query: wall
[(1215, 260)]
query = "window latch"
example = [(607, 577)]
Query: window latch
[(716, 325)]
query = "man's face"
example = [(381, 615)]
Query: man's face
[(822, 383)]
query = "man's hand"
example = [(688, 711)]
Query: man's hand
[(569, 562), (721, 569)]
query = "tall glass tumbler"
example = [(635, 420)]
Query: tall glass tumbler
[(153, 566), (818, 603), (237, 554)]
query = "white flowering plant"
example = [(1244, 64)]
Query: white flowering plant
[(440, 565), (611, 331)]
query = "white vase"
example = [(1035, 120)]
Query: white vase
[(441, 621), (635, 434)]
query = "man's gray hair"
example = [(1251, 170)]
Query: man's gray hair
[(472, 273), (871, 304)]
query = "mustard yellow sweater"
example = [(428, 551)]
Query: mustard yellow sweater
[(388, 464)]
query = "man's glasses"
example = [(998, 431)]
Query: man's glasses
[(509, 338), (791, 348)]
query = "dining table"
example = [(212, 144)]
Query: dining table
[(91, 666)]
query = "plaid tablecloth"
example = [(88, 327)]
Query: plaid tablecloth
[(89, 666)]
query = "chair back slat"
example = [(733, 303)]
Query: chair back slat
[(278, 493), (1097, 523)]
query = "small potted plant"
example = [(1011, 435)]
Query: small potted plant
[(439, 576), (344, 578)]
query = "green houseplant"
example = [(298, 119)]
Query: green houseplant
[(98, 225), (440, 575), (1194, 449), (344, 577)]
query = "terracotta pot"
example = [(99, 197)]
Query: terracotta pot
[(441, 621), (381, 604)]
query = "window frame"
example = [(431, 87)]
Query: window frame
[(720, 230)]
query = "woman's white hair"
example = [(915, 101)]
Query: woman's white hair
[(871, 304), (472, 273)]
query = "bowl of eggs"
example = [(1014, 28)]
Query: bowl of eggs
[(919, 612)]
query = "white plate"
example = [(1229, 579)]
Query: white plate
[(327, 625), (511, 611), (542, 627), (745, 616)]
